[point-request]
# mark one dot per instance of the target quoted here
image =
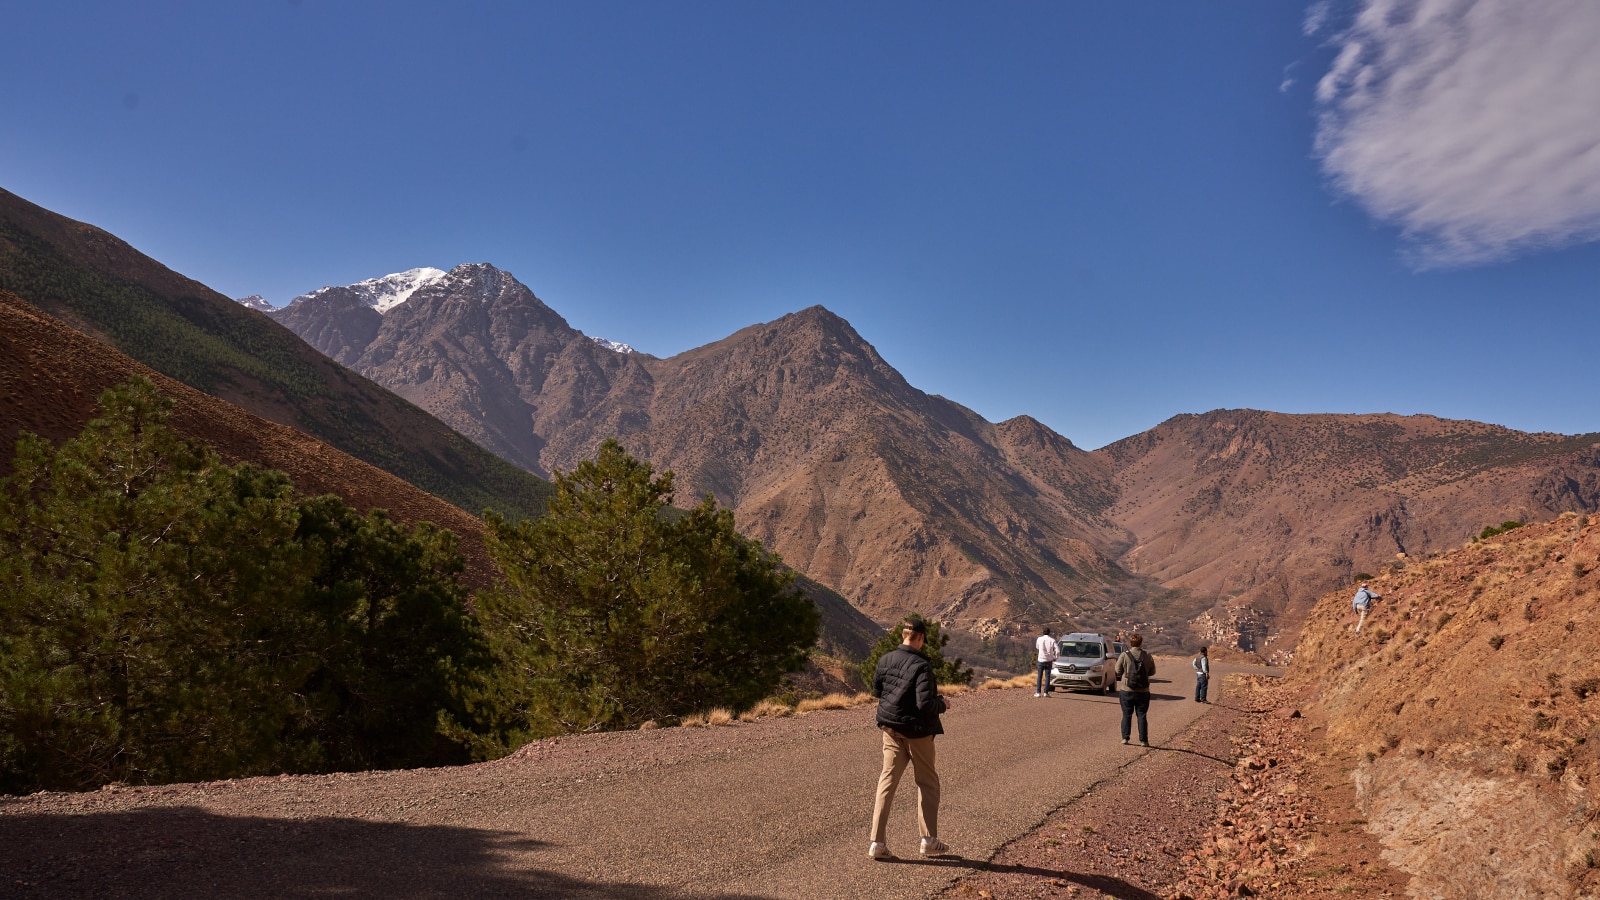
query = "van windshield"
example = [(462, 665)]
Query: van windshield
[(1081, 649)]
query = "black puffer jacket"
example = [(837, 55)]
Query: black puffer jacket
[(908, 698)]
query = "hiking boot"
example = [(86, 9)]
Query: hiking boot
[(876, 850), (1145, 743), (933, 847), (1124, 740)]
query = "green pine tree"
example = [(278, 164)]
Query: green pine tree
[(612, 611), (945, 671), (166, 617), (384, 639), (138, 574)]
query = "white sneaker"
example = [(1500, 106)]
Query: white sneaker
[(933, 847), (876, 850), (1036, 694)]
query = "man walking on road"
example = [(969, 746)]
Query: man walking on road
[(1048, 651), (1362, 603), (909, 706), (1134, 668)]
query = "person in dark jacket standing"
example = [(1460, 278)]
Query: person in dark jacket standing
[(908, 715), (1135, 667)]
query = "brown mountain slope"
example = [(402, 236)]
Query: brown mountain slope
[(1270, 510), (897, 499), (181, 328), (51, 377), (1469, 708)]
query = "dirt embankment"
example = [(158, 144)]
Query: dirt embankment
[(1468, 709)]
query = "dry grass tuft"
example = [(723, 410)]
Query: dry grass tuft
[(649, 726), (767, 709), (947, 690), (1016, 681), (833, 701), (698, 720), (719, 716)]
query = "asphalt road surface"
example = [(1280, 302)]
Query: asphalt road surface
[(776, 808)]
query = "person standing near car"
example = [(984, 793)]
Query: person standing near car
[(1202, 675), (1362, 603), (1135, 667), (1048, 651), (909, 707)]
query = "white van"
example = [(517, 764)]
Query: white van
[(1087, 661)]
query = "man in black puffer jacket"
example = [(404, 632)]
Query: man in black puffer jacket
[(908, 715)]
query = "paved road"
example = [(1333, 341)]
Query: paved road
[(770, 809)]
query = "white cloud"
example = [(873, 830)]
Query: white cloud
[(1473, 125), (1317, 15)]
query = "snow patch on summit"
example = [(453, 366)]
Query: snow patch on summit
[(384, 294), (256, 302), (613, 345)]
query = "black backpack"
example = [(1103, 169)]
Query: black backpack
[(1138, 678)]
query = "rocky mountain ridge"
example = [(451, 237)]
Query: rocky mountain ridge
[(1218, 527), (823, 450)]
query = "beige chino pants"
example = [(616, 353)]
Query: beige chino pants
[(897, 751)]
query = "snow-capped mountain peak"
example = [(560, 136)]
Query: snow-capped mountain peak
[(613, 345), (384, 294), (256, 302)]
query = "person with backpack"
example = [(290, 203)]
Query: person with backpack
[(1202, 675), (1134, 669), (1048, 651), (909, 706), (1362, 603)]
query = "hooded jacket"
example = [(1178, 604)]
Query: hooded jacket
[(908, 698)]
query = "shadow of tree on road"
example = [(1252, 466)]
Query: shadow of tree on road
[(1105, 884), (189, 852)]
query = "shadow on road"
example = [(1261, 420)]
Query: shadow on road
[(1219, 759), (189, 852), (1105, 884)]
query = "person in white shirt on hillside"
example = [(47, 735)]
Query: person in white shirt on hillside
[(1048, 651), (1202, 675)]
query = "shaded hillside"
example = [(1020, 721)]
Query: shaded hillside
[(1470, 708), (1270, 510), (896, 499), (100, 285), (51, 378)]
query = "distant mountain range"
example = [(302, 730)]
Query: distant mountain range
[(1220, 527), (1223, 526)]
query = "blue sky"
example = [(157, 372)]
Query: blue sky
[(1101, 215)]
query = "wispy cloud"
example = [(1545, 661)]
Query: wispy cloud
[(1473, 125)]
